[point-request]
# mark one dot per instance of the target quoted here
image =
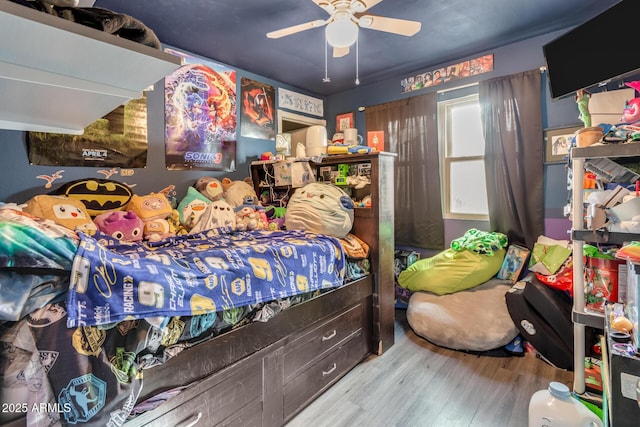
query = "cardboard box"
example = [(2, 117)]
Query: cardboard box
[(375, 140)]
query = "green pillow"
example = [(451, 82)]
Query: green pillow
[(451, 271)]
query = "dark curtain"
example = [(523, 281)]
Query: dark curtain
[(511, 110), (411, 131)]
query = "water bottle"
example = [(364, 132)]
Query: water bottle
[(555, 407)]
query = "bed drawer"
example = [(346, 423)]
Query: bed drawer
[(230, 397), (304, 350), (322, 374)]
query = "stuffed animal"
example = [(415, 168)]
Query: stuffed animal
[(275, 217), (217, 214), (124, 226), (98, 195), (237, 193), (582, 99), (174, 223), (191, 207), (150, 207), (631, 112), (158, 229), (250, 217), (320, 208), (210, 187), (62, 210)]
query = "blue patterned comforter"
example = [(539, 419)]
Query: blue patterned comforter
[(197, 274)]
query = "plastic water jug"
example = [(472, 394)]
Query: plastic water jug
[(555, 407)]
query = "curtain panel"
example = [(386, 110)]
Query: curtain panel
[(511, 111), (411, 131)]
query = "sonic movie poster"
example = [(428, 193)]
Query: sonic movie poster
[(258, 100), (200, 115)]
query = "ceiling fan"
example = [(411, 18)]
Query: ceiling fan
[(344, 21)]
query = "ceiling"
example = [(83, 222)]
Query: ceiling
[(233, 32)]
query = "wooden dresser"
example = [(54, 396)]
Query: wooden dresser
[(268, 387)]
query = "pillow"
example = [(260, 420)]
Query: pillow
[(473, 320), (150, 206), (191, 207), (320, 208), (98, 195), (122, 225), (217, 214), (62, 210), (210, 187), (237, 193), (451, 271)]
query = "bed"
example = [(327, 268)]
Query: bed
[(132, 307), (226, 361)]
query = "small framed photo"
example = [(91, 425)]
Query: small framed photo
[(345, 121), (557, 142)]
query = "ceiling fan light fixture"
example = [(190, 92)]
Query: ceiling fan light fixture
[(341, 32)]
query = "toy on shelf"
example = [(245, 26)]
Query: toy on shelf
[(631, 112), (348, 149), (582, 99)]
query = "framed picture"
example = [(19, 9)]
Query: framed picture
[(557, 143), (345, 121)]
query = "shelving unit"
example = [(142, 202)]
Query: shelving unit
[(374, 225), (61, 76), (582, 317), (624, 368)]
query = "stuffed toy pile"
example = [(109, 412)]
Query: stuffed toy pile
[(210, 203)]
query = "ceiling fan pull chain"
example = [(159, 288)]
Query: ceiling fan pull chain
[(357, 70), (326, 77)]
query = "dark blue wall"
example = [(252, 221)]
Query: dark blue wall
[(18, 181), (510, 59)]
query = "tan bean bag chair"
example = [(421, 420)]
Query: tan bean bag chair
[(473, 320)]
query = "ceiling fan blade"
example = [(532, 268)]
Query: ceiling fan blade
[(296, 29), (402, 27), (339, 52)]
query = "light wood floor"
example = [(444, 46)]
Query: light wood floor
[(416, 383)]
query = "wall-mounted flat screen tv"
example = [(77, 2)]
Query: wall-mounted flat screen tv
[(596, 51)]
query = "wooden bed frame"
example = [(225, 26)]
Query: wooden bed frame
[(259, 374), (264, 373)]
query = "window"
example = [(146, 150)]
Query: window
[(464, 187)]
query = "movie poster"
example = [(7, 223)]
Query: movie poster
[(118, 139), (258, 114), (200, 115), (480, 65)]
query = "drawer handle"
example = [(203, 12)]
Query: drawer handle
[(333, 368), (330, 336), (193, 421)]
